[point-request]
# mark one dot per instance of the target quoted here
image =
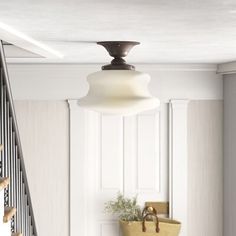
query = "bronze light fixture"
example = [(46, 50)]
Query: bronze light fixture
[(118, 89)]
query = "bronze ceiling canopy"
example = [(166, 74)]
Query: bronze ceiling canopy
[(118, 50)]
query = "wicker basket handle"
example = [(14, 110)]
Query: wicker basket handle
[(157, 222)]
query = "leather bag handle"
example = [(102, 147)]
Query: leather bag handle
[(157, 222), (147, 211)]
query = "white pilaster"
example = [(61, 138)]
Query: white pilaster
[(77, 176), (178, 155)]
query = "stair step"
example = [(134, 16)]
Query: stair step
[(9, 212), (17, 234), (3, 183)]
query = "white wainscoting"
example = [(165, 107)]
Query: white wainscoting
[(205, 168), (111, 154), (44, 131)]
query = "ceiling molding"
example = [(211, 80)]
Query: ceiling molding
[(139, 66), (227, 68), (177, 67), (19, 39)]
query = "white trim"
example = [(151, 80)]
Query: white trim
[(176, 67), (13, 36), (178, 161), (227, 68), (78, 199), (139, 66)]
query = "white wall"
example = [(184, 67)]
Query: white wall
[(49, 121), (44, 134), (63, 81), (229, 155)]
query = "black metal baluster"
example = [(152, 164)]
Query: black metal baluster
[(11, 175), (17, 184), (26, 216), (1, 123), (3, 130), (20, 205), (29, 223), (10, 164), (14, 174), (23, 208), (5, 144), (11, 204), (30, 226), (8, 139)]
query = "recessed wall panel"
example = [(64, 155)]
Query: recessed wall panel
[(111, 158), (148, 155)]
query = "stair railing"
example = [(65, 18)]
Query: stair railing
[(12, 165)]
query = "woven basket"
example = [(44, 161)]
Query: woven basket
[(163, 227)]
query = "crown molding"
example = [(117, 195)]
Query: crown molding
[(227, 68), (139, 66)]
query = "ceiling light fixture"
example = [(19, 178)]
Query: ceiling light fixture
[(118, 88)]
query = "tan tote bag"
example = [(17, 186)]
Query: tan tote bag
[(162, 227)]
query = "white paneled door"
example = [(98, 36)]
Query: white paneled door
[(111, 154)]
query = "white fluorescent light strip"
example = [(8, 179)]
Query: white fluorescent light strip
[(26, 38)]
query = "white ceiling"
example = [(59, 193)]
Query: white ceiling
[(170, 31)]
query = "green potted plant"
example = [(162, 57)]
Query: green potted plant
[(137, 222)]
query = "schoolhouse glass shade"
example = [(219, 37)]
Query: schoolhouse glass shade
[(121, 92)]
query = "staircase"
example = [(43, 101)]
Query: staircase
[(16, 212)]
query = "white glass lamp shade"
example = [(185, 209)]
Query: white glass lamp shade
[(121, 92)]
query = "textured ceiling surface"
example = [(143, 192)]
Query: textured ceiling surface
[(170, 31)]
